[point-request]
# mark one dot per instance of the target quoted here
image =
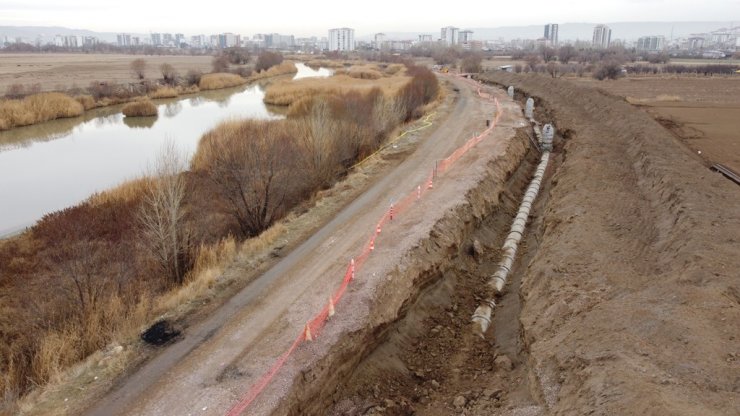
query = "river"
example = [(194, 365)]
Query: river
[(57, 164)]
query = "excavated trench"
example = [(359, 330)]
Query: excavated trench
[(425, 359)]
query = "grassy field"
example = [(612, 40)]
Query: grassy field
[(62, 71)]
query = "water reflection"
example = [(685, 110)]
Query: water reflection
[(53, 165), (305, 71), (172, 109), (140, 122)]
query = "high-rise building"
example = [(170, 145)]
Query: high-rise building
[(551, 33), (379, 40), (464, 37), (342, 39), (425, 39), (651, 43), (602, 36), (179, 39), (156, 39), (124, 39), (448, 35)]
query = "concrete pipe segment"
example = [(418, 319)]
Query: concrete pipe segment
[(482, 316)]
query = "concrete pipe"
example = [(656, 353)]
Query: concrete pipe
[(482, 316), (510, 91)]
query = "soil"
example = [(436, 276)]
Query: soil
[(702, 111), (217, 360), (625, 298), (61, 71), (630, 304)]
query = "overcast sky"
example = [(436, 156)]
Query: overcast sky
[(315, 17)]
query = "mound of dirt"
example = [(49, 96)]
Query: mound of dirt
[(630, 303)]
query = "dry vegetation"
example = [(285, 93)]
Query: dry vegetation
[(220, 80), (140, 108), (37, 108), (288, 92), (164, 92), (150, 247)]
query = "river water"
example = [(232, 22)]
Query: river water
[(57, 164)]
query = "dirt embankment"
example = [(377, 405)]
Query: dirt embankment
[(383, 367), (631, 304)]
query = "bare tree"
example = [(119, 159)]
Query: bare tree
[(169, 74), (553, 69), (252, 165), (138, 66), (566, 53), (162, 215), (317, 137)]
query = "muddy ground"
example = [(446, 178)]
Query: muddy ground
[(704, 112), (625, 298), (61, 71)]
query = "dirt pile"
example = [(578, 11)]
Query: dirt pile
[(631, 303)]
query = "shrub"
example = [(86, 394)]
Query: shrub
[(192, 77), (38, 108), (15, 91), (267, 60), (138, 67), (164, 92), (421, 89), (364, 73), (169, 74), (608, 70), (140, 108), (87, 101), (220, 80), (220, 63), (471, 63)]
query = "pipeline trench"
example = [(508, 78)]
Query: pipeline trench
[(428, 360)]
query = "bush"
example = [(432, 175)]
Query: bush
[(220, 80), (138, 67), (38, 108), (608, 70), (267, 60), (220, 63), (164, 92), (140, 108), (193, 77), (422, 89), (471, 63), (169, 74), (87, 101), (15, 91)]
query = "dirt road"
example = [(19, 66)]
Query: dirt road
[(218, 359)]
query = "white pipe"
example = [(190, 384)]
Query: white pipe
[(482, 315)]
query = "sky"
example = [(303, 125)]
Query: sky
[(308, 18)]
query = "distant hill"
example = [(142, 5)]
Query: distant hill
[(629, 31)]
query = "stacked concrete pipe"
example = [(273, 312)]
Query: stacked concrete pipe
[(482, 315)]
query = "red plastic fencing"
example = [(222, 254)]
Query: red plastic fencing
[(316, 324)]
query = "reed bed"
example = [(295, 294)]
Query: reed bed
[(140, 108), (220, 80), (38, 108)]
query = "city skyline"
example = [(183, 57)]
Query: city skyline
[(385, 16)]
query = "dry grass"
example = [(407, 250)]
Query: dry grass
[(288, 92), (38, 108), (317, 63), (164, 92), (220, 80), (87, 101), (140, 108), (285, 68), (365, 72), (659, 98), (127, 191)]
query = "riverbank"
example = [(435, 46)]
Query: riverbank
[(46, 106), (102, 237)]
